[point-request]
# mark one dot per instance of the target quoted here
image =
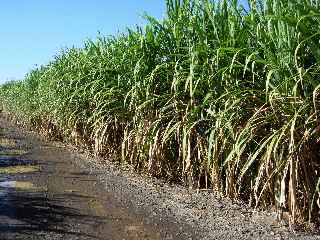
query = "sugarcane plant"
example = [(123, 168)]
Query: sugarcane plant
[(214, 95)]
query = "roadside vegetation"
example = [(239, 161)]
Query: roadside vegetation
[(214, 95)]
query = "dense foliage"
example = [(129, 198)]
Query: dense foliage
[(214, 94)]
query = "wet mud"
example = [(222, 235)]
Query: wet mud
[(44, 195)]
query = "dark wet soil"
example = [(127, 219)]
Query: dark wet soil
[(44, 194)]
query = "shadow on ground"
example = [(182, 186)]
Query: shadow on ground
[(29, 213), (32, 212)]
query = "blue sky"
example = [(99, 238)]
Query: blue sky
[(32, 31)]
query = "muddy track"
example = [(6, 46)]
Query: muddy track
[(49, 191), (45, 194)]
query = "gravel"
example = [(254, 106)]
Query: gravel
[(201, 214)]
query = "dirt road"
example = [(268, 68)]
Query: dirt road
[(44, 194)]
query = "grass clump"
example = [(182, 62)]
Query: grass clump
[(214, 94)]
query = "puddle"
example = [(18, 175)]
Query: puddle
[(20, 185), (12, 152), (7, 143), (19, 169)]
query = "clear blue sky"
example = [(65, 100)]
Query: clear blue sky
[(32, 31)]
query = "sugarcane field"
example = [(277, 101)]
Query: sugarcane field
[(199, 120)]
